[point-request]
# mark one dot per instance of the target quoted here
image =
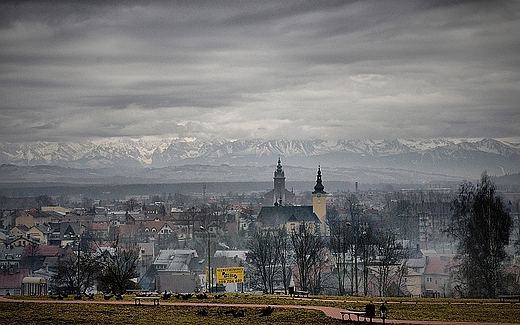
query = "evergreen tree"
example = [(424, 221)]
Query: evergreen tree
[(482, 226)]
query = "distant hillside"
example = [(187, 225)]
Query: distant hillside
[(206, 173), (510, 179)]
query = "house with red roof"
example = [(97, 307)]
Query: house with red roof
[(43, 256)]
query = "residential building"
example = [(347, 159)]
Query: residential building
[(173, 271), (11, 282), (437, 276), (10, 257), (41, 233), (33, 217)]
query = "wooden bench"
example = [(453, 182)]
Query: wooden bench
[(138, 292), (299, 293), (351, 313), (137, 300), (504, 297)]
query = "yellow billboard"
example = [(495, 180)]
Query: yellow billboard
[(230, 275)]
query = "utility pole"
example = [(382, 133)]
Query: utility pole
[(77, 239), (79, 252), (210, 271)]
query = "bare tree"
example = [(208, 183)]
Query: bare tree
[(131, 204), (119, 267), (365, 248), (65, 279), (309, 253), (389, 257), (189, 217), (67, 275), (282, 245), (400, 277), (263, 255), (341, 245)]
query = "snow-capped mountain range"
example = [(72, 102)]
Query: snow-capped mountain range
[(461, 158)]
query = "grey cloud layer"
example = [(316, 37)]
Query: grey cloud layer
[(259, 69)]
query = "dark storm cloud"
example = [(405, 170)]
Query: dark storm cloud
[(268, 69)]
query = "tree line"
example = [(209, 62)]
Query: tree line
[(359, 258), (315, 259), (112, 268)]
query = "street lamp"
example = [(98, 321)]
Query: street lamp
[(355, 256), (210, 272), (383, 312)]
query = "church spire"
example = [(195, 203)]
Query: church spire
[(319, 188), (279, 173), (319, 203), (279, 184)]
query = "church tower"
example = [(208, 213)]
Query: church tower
[(319, 202), (279, 183)]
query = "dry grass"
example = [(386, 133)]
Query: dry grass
[(107, 314), (450, 310)]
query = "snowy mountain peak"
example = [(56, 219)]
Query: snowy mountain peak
[(451, 156)]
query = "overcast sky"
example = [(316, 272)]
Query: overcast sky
[(72, 70)]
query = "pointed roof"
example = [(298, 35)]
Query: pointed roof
[(68, 228), (21, 228), (279, 173), (319, 188)]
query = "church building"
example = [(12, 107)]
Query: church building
[(290, 216)]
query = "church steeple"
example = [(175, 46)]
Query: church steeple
[(319, 203), (279, 183), (279, 173), (319, 188)]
